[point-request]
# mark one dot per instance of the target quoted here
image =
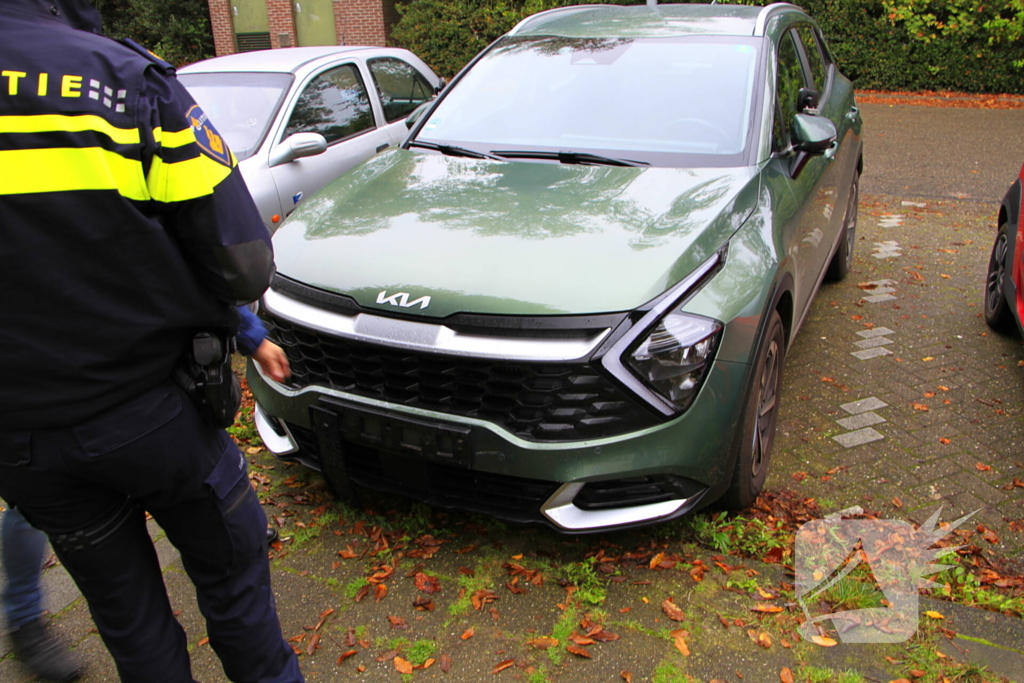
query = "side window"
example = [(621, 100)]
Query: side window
[(814, 58), (402, 88), (334, 104), (789, 80)]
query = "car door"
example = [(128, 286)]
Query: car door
[(804, 186), (335, 103), (402, 88)]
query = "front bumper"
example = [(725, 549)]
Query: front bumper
[(459, 462)]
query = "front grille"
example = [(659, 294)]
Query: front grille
[(551, 402), (512, 498)]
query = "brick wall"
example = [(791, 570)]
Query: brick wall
[(281, 20), (223, 30), (356, 22), (363, 22)]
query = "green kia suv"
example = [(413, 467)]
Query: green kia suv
[(566, 299)]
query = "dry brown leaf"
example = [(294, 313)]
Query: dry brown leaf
[(427, 584), (627, 676), (468, 633), (345, 655), (920, 406), (398, 622), (313, 644), (503, 664), (445, 663), (402, 666), (786, 675), (679, 637), (897, 502), (543, 643), (981, 467), (944, 441), (672, 610), (379, 591), (204, 641), (824, 641), (766, 608), (578, 651), (800, 476)]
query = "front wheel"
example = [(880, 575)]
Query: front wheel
[(997, 309), (842, 261), (754, 445)]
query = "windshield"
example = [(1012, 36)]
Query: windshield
[(240, 105), (662, 101)]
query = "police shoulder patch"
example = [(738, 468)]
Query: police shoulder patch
[(207, 137)]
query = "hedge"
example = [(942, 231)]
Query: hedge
[(961, 45)]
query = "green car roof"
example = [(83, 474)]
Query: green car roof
[(642, 21)]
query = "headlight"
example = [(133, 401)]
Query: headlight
[(674, 358)]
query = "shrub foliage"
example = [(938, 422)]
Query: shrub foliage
[(177, 30), (964, 45)]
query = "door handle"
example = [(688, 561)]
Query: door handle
[(830, 153), (853, 114), (383, 147)]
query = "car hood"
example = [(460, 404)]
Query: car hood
[(432, 235)]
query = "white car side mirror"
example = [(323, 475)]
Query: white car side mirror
[(297, 146)]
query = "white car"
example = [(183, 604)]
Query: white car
[(297, 118)]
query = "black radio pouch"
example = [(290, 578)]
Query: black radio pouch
[(205, 374)]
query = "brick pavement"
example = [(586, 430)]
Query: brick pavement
[(947, 422)]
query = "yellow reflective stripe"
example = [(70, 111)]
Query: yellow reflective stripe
[(51, 123), (26, 171), (183, 180), (173, 139)]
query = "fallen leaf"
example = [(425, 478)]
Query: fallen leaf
[(920, 406), (671, 610), (944, 441), (426, 665), (379, 591), (581, 640), (424, 604), (543, 643), (981, 467), (578, 651), (204, 641), (766, 608), (427, 584), (362, 593), (786, 675), (345, 655), (503, 664), (800, 476), (468, 633), (679, 637), (627, 676), (824, 641), (398, 622), (928, 359), (402, 666), (897, 502), (313, 644), (446, 663)]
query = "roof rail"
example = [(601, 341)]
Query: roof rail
[(549, 13), (766, 14)]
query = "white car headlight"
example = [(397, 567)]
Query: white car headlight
[(674, 357)]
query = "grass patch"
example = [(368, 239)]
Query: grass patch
[(738, 534)]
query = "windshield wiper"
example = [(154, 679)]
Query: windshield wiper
[(567, 157), (453, 151)]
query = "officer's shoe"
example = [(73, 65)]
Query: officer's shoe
[(42, 654)]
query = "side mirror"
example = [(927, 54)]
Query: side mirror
[(411, 120), (807, 98), (813, 134), (298, 146)]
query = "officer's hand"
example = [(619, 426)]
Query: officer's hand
[(272, 361)]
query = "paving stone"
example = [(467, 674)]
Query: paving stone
[(864, 405), (858, 438), (862, 420), (879, 298), (868, 354), (873, 342), (875, 332)]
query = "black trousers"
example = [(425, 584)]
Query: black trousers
[(89, 486)]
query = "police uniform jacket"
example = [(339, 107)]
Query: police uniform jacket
[(125, 225)]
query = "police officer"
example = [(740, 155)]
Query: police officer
[(125, 227)]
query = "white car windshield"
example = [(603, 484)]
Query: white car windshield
[(240, 105), (662, 101)]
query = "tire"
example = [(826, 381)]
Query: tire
[(998, 313), (753, 448), (842, 260)]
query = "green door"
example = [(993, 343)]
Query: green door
[(252, 30), (314, 22)]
